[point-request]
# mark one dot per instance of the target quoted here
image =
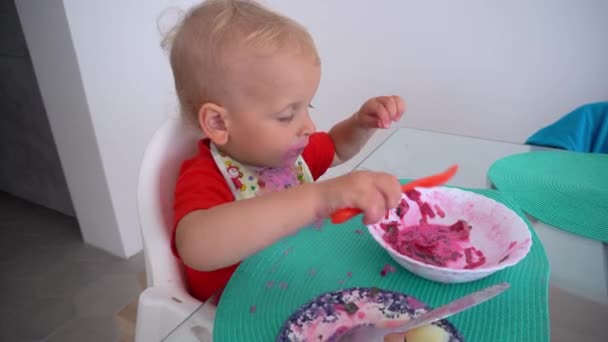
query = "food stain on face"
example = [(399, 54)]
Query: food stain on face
[(292, 154)]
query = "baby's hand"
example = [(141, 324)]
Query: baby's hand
[(379, 112), (372, 192)]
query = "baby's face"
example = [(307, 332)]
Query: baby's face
[(270, 98)]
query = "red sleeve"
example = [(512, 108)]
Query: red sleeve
[(319, 153), (200, 185)]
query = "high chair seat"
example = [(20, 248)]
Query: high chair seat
[(166, 302)]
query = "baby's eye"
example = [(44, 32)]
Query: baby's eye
[(286, 119), (311, 106)]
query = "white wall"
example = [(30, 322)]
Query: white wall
[(495, 70), (129, 91), (490, 69), (56, 67)]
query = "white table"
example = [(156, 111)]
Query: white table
[(411, 153), (579, 280)]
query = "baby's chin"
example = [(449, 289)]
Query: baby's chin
[(290, 159), (287, 159)]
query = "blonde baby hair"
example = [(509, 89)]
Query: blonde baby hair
[(211, 32)]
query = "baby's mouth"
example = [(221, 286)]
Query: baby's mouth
[(298, 148), (294, 152)]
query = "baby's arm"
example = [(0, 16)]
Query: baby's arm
[(214, 238), (350, 135), (221, 236)]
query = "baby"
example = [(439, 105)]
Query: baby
[(247, 76)]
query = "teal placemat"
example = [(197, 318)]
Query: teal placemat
[(568, 190), (272, 284)]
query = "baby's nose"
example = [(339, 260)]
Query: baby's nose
[(309, 126)]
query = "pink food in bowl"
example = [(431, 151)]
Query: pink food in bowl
[(451, 235), (434, 244)]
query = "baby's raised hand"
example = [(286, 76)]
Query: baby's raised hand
[(380, 112), (372, 192)]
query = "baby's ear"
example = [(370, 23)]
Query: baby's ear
[(212, 119)]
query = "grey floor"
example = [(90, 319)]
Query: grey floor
[(53, 286)]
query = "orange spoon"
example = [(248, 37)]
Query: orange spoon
[(346, 214)]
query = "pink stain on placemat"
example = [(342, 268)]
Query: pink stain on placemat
[(283, 285), (358, 231), (313, 272), (252, 309), (270, 284), (318, 225), (273, 269), (388, 268), (349, 274)]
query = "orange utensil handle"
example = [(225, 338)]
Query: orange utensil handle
[(431, 181), (343, 215)]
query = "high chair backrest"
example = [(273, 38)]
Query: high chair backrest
[(174, 142)]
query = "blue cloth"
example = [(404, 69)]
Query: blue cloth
[(583, 130)]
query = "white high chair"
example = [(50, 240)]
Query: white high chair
[(166, 302)]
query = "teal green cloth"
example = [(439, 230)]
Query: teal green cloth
[(272, 284), (585, 129), (567, 190)]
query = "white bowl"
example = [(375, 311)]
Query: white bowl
[(497, 231)]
